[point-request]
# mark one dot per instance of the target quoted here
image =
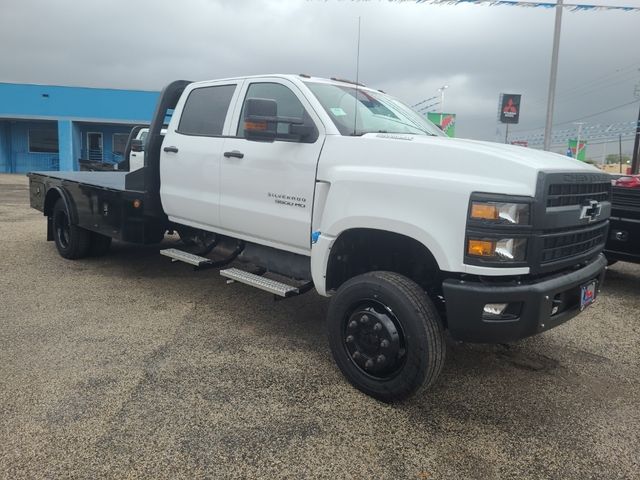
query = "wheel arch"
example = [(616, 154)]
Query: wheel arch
[(52, 196), (50, 199), (359, 250)]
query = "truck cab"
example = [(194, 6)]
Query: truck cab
[(308, 182)]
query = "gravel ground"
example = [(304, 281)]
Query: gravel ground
[(130, 366)]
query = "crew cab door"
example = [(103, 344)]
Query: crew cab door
[(191, 154), (267, 187)]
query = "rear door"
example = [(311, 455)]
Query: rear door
[(191, 154), (267, 187)]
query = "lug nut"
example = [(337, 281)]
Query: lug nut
[(349, 339), (377, 327), (364, 319), (356, 355), (369, 364), (353, 324), (381, 359), (384, 343)]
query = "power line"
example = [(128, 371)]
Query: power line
[(582, 118), (617, 71)]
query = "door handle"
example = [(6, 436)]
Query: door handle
[(171, 149), (234, 153)]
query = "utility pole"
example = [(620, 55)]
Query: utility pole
[(635, 158), (553, 76), (620, 151)]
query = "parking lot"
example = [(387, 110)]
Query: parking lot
[(131, 366)]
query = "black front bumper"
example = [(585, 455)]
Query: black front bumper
[(624, 239), (465, 301)]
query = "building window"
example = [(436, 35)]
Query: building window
[(120, 142), (43, 140), (205, 110)]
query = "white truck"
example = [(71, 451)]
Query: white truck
[(292, 182), (136, 152)]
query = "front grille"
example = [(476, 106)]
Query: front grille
[(572, 242), (563, 194), (626, 198)]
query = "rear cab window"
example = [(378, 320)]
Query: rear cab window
[(205, 110)]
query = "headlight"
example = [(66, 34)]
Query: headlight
[(500, 213), (502, 250)]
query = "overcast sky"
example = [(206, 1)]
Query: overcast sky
[(407, 49)]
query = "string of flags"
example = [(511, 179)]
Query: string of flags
[(590, 132), (527, 3)]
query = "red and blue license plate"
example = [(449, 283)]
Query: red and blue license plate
[(588, 294)]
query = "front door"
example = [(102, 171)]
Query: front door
[(191, 153), (94, 146), (267, 188)]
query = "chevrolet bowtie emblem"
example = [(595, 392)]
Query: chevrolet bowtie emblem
[(591, 210)]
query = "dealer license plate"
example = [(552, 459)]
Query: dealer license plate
[(588, 294)]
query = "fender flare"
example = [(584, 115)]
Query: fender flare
[(49, 202)]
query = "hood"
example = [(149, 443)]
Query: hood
[(491, 166)]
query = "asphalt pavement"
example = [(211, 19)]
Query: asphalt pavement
[(130, 366)]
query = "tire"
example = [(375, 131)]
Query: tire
[(71, 241), (387, 366), (100, 244)]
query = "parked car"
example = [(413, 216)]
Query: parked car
[(623, 242)]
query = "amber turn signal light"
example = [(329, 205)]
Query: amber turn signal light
[(481, 248), (255, 126), (484, 211)]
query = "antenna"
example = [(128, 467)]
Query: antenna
[(355, 116)]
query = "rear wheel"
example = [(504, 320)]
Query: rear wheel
[(71, 241), (385, 335)]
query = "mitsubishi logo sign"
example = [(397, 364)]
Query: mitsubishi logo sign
[(591, 210)]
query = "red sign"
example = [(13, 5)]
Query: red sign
[(509, 107)]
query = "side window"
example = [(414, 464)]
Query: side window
[(205, 110), (288, 105)]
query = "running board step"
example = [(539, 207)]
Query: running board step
[(186, 257), (266, 284)]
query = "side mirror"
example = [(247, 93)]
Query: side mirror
[(260, 119), (137, 145), (303, 132)]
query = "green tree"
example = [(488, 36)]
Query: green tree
[(615, 158)]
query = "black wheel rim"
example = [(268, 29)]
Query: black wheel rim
[(374, 340), (63, 231)]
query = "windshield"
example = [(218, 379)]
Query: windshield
[(373, 112)]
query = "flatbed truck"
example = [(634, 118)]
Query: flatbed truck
[(290, 183)]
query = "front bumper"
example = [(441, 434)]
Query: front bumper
[(465, 301), (624, 240)]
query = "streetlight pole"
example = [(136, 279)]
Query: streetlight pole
[(579, 124), (441, 90), (553, 76)]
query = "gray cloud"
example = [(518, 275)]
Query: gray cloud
[(407, 49)]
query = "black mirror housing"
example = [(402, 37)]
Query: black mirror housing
[(137, 145), (260, 119)]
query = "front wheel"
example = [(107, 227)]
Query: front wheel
[(385, 335)]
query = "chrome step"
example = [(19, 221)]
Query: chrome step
[(186, 257), (266, 284)]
